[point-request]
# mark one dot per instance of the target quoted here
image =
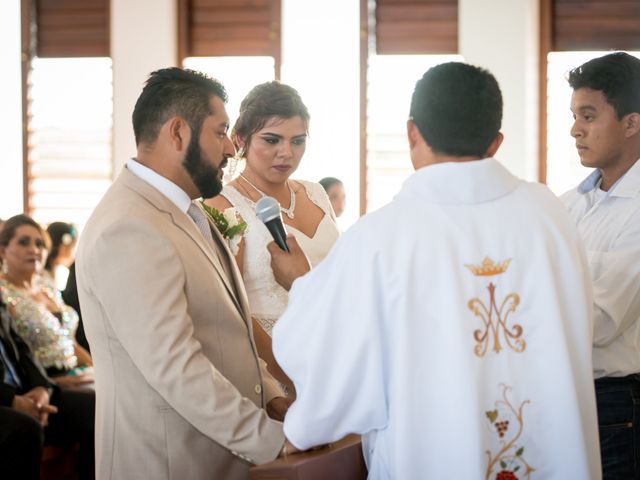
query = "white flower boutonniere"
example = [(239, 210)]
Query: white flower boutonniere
[(229, 223)]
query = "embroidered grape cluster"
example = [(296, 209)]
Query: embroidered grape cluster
[(506, 475), (502, 427)]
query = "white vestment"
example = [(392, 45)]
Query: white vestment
[(452, 328)]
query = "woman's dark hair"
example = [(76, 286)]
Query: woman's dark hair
[(263, 102), (458, 109), (9, 228), (328, 182), (60, 233), (616, 75)]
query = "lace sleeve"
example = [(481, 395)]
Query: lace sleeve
[(317, 195)]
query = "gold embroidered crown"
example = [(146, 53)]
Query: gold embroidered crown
[(488, 267)]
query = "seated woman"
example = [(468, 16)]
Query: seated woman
[(270, 135), (41, 317), (64, 238)]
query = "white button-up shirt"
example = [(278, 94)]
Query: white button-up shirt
[(165, 186), (610, 227)]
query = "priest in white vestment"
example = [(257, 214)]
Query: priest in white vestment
[(451, 328)]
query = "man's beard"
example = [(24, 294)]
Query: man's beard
[(204, 175)]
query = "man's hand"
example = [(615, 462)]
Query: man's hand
[(288, 449), (40, 398), (278, 406), (287, 266), (26, 404)]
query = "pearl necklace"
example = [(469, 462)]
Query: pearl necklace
[(292, 203)]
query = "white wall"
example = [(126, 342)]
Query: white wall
[(502, 36), (11, 110), (143, 39), (321, 59)]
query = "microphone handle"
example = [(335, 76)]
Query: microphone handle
[(276, 229)]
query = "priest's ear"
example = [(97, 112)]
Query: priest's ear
[(494, 145), (413, 134), (419, 149)]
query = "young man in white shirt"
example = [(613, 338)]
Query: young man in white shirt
[(606, 208)]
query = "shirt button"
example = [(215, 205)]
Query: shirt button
[(258, 389)]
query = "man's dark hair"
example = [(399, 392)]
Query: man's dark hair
[(457, 109), (616, 75), (174, 92)]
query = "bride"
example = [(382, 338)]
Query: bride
[(270, 135)]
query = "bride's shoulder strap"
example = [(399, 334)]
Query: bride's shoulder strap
[(317, 195)]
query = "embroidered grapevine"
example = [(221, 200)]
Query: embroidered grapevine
[(510, 456)]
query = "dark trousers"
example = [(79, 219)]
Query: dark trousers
[(74, 423), (21, 439), (618, 401)]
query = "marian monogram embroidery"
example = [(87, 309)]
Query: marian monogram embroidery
[(494, 318), (507, 425)]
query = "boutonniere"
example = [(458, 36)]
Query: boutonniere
[(229, 223)]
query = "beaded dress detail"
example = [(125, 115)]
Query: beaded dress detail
[(50, 336), (267, 299)]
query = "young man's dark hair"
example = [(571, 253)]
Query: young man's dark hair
[(464, 116), (170, 92), (616, 75)]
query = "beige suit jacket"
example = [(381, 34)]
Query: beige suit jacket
[(180, 389)]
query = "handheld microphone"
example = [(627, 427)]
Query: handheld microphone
[(268, 212)]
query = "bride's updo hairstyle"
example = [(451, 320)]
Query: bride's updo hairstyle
[(265, 101)]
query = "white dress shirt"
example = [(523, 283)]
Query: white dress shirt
[(609, 223), (165, 186)]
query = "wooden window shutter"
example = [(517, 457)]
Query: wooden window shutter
[(218, 28), (72, 28), (416, 27), (595, 25)]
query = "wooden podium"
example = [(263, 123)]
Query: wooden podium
[(341, 460)]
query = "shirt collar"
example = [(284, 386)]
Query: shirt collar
[(626, 186), (461, 182), (165, 186)]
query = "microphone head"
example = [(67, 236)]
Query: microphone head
[(267, 208)]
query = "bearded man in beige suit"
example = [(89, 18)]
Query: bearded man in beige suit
[(181, 392)]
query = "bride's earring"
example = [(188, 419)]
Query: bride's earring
[(5, 267), (233, 166)]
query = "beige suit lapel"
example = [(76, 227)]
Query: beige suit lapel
[(241, 294), (182, 221)]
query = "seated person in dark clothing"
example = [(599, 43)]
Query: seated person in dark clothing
[(34, 411), (70, 297)]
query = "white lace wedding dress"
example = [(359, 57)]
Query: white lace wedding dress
[(267, 298)]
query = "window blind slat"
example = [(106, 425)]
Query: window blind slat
[(72, 28), (416, 27), (595, 25), (230, 28)]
